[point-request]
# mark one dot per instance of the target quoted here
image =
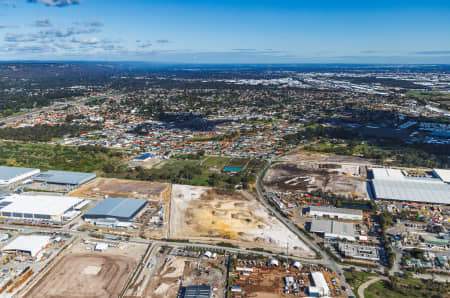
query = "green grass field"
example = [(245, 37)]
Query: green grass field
[(407, 287), (217, 162), (198, 170), (46, 157), (357, 278)]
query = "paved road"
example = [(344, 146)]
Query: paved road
[(365, 285), (25, 229), (325, 259)]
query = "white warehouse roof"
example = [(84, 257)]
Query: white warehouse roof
[(320, 283), (391, 184), (31, 244), (336, 211), (444, 175), (387, 174), (48, 205), (413, 191)]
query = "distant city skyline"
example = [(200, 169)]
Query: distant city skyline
[(200, 31)]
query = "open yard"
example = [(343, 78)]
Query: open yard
[(202, 213), (89, 274), (338, 178), (121, 188), (165, 280)]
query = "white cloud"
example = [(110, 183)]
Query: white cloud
[(56, 3)]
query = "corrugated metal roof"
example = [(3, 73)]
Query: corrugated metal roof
[(41, 204), (444, 175), (203, 291), (8, 173), (332, 227), (412, 190), (327, 209), (116, 207), (387, 173), (64, 177), (29, 243)]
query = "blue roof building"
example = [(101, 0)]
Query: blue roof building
[(144, 156), (123, 209), (64, 177), (9, 175)]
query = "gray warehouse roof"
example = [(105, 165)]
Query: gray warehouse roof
[(332, 227), (8, 173), (412, 190), (120, 208), (64, 177), (197, 292), (327, 209)]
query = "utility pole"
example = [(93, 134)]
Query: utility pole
[(287, 254)]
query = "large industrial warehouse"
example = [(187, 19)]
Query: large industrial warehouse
[(116, 209), (331, 229), (31, 244), (393, 184), (444, 175), (37, 208), (10, 175), (342, 213), (64, 178)]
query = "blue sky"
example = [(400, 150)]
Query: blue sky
[(227, 31)]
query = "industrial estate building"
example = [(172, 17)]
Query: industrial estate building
[(444, 175), (144, 156), (10, 175), (331, 229), (64, 178), (361, 252), (342, 213), (320, 285), (37, 208), (202, 291), (112, 211), (393, 184), (32, 245)]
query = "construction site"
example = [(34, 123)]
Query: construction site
[(236, 217), (306, 176), (165, 273), (24, 257), (271, 279), (152, 222), (122, 188), (88, 269)]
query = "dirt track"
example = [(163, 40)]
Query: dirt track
[(76, 275)]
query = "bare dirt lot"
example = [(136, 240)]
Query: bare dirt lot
[(165, 281), (319, 157), (204, 213), (88, 274), (121, 188), (307, 176)]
